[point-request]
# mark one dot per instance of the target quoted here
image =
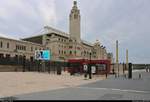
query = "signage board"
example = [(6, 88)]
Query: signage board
[(85, 67), (93, 69), (42, 55)]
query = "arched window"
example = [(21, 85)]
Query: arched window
[(7, 45), (1, 44), (75, 52), (70, 52)]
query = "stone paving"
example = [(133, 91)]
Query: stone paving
[(15, 83), (112, 88)]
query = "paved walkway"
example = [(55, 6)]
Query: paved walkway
[(15, 83), (109, 89)]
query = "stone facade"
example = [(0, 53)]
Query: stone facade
[(16, 48), (64, 47)]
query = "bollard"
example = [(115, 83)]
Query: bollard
[(115, 75), (130, 71), (85, 75), (106, 75), (140, 76)]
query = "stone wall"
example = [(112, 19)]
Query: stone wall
[(10, 68)]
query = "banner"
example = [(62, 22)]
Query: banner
[(42, 55)]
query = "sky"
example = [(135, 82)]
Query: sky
[(127, 21)]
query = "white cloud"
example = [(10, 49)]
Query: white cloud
[(22, 16), (46, 10)]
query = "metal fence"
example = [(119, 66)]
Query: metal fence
[(11, 61), (35, 65)]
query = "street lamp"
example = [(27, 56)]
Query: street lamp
[(123, 67), (90, 74)]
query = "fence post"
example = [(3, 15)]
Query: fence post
[(24, 63), (49, 67)]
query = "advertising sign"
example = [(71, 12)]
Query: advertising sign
[(93, 69), (85, 67), (42, 55)]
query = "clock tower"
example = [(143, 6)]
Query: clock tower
[(74, 22)]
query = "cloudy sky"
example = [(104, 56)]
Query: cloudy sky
[(106, 20)]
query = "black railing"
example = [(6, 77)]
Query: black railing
[(34, 65)]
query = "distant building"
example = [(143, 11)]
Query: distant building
[(63, 46)]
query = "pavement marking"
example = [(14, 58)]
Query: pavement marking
[(136, 91)]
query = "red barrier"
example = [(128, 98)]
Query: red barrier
[(76, 65)]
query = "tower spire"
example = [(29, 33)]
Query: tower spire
[(75, 3)]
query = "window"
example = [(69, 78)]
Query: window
[(16, 47), (70, 46), (64, 52), (59, 51), (87, 52), (1, 44), (1, 55), (7, 45), (70, 40), (20, 47), (31, 58), (70, 52), (7, 56), (75, 52)]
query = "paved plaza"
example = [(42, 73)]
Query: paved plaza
[(77, 88), (110, 89), (16, 83)]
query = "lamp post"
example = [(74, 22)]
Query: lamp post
[(118, 68), (123, 68), (113, 71), (90, 74), (117, 61)]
